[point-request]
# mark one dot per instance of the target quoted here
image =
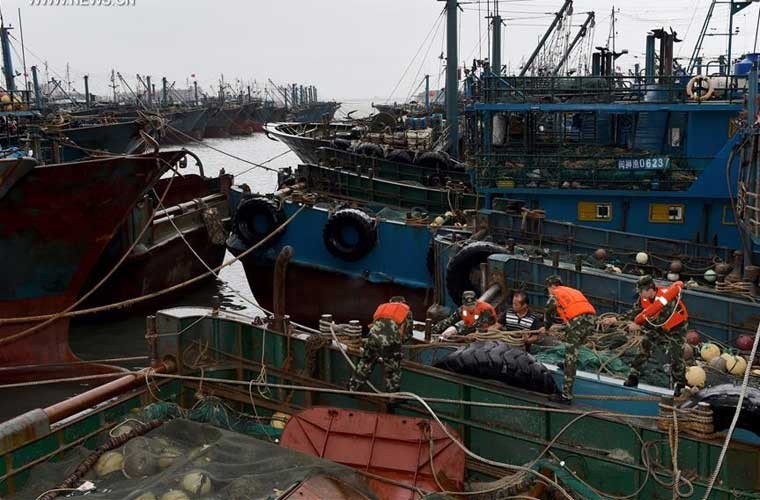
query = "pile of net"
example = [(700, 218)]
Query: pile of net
[(181, 459)]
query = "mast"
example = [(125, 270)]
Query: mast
[(557, 17), (581, 33), (452, 82), (10, 84), (427, 93)]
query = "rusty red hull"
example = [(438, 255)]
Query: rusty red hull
[(55, 222), (311, 292), (161, 267), (392, 446)]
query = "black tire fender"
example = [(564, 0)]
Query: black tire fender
[(498, 361), (341, 144), (361, 223), (433, 159), (462, 266), (256, 218), (723, 400), (369, 149), (399, 156)]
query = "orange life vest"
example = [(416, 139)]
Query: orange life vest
[(394, 311), (571, 303), (469, 318), (653, 307)]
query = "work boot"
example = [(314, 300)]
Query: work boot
[(560, 398), (631, 381)]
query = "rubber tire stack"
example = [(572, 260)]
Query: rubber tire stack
[(499, 361)]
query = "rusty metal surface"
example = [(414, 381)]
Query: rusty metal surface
[(324, 487), (395, 447), (311, 292), (54, 224)]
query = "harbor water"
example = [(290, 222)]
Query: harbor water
[(122, 335)]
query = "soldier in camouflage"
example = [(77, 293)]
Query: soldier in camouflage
[(392, 326), (577, 320), (667, 328), (472, 316)]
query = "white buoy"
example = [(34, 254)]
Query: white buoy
[(695, 376), (710, 276), (642, 258), (673, 276)]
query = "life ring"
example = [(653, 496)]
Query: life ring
[(350, 234), (256, 218), (697, 90), (463, 271)]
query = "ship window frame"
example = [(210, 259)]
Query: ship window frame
[(681, 218), (597, 206)]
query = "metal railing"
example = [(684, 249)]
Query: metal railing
[(672, 89)]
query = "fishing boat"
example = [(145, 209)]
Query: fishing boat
[(223, 375), (181, 125), (56, 220), (184, 239), (222, 120)]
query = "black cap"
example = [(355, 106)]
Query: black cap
[(398, 298), (553, 280), (645, 282)]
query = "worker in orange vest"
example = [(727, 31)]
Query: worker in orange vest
[(471, 316), (663, 317), (577, 320), (392, 325)]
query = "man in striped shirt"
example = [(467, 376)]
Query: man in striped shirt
[(519, 317)]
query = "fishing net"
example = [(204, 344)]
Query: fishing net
[(609, 362), (184, 459)]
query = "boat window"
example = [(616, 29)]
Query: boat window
[(594, 211), (666, 213)]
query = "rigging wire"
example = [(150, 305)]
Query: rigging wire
[(438, 20)]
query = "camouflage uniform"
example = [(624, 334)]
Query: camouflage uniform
[(671, 340), (383, 344), (485, 319), (577, 330)]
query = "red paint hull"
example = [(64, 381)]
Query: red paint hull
[(54, 224)]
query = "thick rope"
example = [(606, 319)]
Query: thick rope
[(136, 300)]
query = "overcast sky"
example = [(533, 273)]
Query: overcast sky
[(347, 48)]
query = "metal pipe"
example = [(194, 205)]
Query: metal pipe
[(80, 402), (148, 88), (280, 276), (496, 48), (195, 88), (557, 17), (164, 92), (452, 82), (427, 93), (37, 92), (10, 84), (491, 293), (649, 63), (752, 98), (87, 90)]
